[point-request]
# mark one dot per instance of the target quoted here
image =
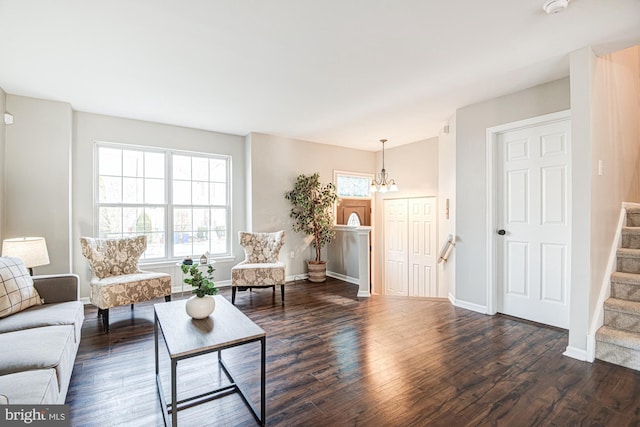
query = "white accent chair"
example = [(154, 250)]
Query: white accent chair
[(261, 267)]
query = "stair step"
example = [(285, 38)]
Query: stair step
[(622, 314), (631, 237), (619, 347), (626, 339), (623, 306), (625, 286), (633, 217), (628, 260)]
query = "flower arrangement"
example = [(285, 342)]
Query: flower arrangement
[(202, 284)]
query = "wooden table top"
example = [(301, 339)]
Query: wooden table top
[(226, 326)]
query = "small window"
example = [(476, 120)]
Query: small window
[(354, 220), (352, 184)]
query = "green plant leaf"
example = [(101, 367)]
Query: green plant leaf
[(312, 209), (202, 284)]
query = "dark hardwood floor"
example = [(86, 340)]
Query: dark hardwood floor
[(336, 360)]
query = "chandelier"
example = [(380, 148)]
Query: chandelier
[(383, 183)]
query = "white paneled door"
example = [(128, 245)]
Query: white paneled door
[(410, 239), (395, 247), (533, 235), (422, 240)]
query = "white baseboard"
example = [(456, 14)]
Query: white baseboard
[(482, 309), (591, 347), (344, 278), (575, 353), (85, 300), (296, 277)]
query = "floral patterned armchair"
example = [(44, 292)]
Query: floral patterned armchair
[(261, 267), (116, 278)]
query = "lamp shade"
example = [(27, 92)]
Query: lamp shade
[(31, 250)]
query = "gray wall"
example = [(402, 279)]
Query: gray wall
[(3, 100), (38, 176), (471, 187), (447, 190), (343, 255), (275, 162), (90, 128), (415, 168)]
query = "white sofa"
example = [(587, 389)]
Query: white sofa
[(39, 344)]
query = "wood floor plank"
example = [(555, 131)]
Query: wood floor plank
[(337, 360)]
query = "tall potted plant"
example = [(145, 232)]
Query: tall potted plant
[(312, 213)]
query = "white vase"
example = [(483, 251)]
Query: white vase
[(200, 307)]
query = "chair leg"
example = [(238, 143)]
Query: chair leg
[(233, 294), (167, 298), (282, 292), (104, 313)]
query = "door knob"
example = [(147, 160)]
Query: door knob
[(502, 232)]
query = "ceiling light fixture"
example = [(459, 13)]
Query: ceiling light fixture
[(555, 6), (383, 183)]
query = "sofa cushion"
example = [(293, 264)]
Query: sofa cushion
[(64, 313), (261, 247), (113, 257), (39, 348), (16, 287), (37, 387)]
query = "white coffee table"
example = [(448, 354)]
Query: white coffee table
[(185, 338)]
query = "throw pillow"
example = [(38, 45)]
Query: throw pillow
[(16, 287), (113, 257)]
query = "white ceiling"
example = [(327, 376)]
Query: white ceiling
[(343, 72)]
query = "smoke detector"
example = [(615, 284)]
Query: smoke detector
[(555, 6)]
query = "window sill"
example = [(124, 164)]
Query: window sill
[(173, 263)]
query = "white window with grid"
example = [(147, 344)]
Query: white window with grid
[(179, 200)]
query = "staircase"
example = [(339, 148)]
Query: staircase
[(618, 341)]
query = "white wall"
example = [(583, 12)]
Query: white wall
[(616, 141), (89, 128), (3, 100), (415, 169), (471, 187), (605, 100), (613, 126), (582, 69), (275, 164), (37, 176), (447, 190)]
